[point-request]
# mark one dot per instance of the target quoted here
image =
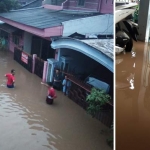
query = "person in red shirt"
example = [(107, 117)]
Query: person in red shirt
[(51, 93), (10, 79)]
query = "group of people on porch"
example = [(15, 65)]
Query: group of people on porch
[(58, 84)]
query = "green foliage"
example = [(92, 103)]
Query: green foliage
[(6, 5), (96, 99), (136, 13)]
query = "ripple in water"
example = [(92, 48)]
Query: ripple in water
[(24, 124)]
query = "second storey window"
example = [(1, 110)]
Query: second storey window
[(81, 2)]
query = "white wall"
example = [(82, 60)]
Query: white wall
[(27, 42), (101, 24)]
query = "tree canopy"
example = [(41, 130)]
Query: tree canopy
[(6, 5)]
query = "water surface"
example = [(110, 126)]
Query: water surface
[(27, 122), (133, 99)]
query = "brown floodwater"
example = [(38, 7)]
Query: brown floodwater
[(28, 123), (133, 99)]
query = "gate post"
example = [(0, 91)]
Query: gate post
[(44, 71), (34, 56)]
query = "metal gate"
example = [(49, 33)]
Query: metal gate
[(39, 66)]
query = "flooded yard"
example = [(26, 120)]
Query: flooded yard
[(133, 99), (27, 122)]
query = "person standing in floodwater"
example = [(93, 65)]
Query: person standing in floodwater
[(51, 93), (10, 79)]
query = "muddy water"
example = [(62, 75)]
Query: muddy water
[(27, 122), (133, 99)]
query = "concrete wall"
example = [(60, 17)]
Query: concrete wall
[(101, 24), (27, 42), (106, 6)]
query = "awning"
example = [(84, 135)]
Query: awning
[(90, 51), (7, 28)]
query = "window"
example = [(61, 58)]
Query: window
[(15, 39), (81, 2)]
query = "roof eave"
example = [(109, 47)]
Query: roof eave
[(47, 32)]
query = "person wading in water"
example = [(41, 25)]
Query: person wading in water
[(51, 93), (10, 79)]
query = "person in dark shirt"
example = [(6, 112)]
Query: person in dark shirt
[(57, 80)]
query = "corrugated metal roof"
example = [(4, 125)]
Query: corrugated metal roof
[(106, 46), (43, 18)]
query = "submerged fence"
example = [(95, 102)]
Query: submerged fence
[(23, 59), (39, 67), (79, 94)]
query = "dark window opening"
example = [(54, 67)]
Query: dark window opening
[(81, 2), (15, 39)]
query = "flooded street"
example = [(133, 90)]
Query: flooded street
[(133, 99), (27, 122)]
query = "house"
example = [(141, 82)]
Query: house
[(51, 36), (33, 30)]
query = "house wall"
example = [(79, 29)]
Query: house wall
[(102, 6), (106, 6), (27, 42), (12, 45)]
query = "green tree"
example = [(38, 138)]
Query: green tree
[(96, 99), (6, 5)]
